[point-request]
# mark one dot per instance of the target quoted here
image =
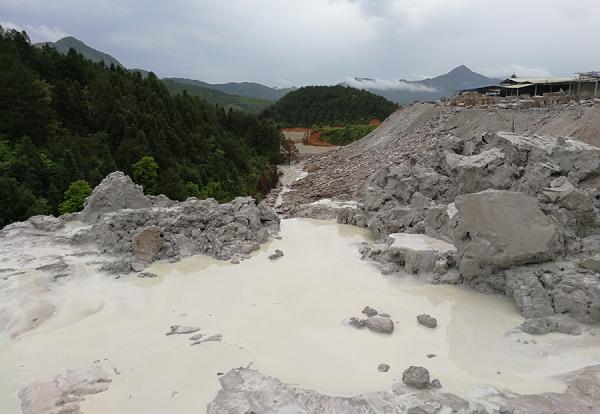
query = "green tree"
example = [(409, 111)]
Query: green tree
[(192, 189), (145, 173), (75, 196)]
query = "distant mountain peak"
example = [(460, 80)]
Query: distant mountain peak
[(69, 42), (430, 89), (462, 68)]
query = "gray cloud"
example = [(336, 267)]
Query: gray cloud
[(321, 41)]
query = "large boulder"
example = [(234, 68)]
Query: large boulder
[(116, 192), (500, 229), (417, 377)]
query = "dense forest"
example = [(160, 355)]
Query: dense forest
[(66, 122), (328, 105)]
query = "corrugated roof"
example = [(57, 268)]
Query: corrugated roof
[(541, 80), (519, 86)]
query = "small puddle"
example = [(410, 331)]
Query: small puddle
[(284, 318)]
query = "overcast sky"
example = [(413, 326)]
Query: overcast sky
[(299, 42)]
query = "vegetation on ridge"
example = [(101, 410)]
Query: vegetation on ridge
[(328, 105), (64, 118)]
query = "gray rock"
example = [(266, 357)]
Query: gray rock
[(147, 275), (417, 377), (555, 288), (482, 171), (556, 323), (506, 410), (369, 311), (116, 192), (196, 337), (435, 384), (500, 229), (184, 229), (63, 393), (146, 244), (46, 223), (431, 356), (357, 323), (380, 324), (137, 266), (182, 330), (278, 253), (420, 253), (591, 263), (212, 338), (383, 368), (427, 320)]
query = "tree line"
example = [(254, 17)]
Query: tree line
[(66, 122), (328, 105)]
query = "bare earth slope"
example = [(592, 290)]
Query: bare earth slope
[(414, 131)]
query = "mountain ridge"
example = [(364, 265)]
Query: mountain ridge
[(430, 89), (249, 89), (66, 43)]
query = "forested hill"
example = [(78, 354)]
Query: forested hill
[(64, 119), (328, 105), (213, 96)]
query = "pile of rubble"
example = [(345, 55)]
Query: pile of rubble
[(509, 213), (414, 132), (137, 230)]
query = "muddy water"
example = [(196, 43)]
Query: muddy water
[(284, 318)]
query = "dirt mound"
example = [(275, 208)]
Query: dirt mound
[(413, 132)]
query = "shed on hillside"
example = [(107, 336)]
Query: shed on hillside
[(583, 85)]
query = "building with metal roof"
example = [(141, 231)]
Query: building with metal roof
[(583, 85)]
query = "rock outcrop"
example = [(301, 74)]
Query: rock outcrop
[(137, 230), (246, 391), (116, 192), (503, 203), (554, 323)]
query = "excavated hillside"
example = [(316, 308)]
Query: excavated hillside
[(413, 132)]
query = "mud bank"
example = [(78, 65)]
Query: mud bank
[(287, 319)]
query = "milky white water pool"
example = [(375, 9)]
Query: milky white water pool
[(284, 318)]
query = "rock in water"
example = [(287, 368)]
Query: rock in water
[(383, 368), (418, 252), (380, 324), (147, 275), (500, 229), (278, 253), (417, 377), (369, 311), (182, 330), (427, 320), (556, 323), (212, 338)]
